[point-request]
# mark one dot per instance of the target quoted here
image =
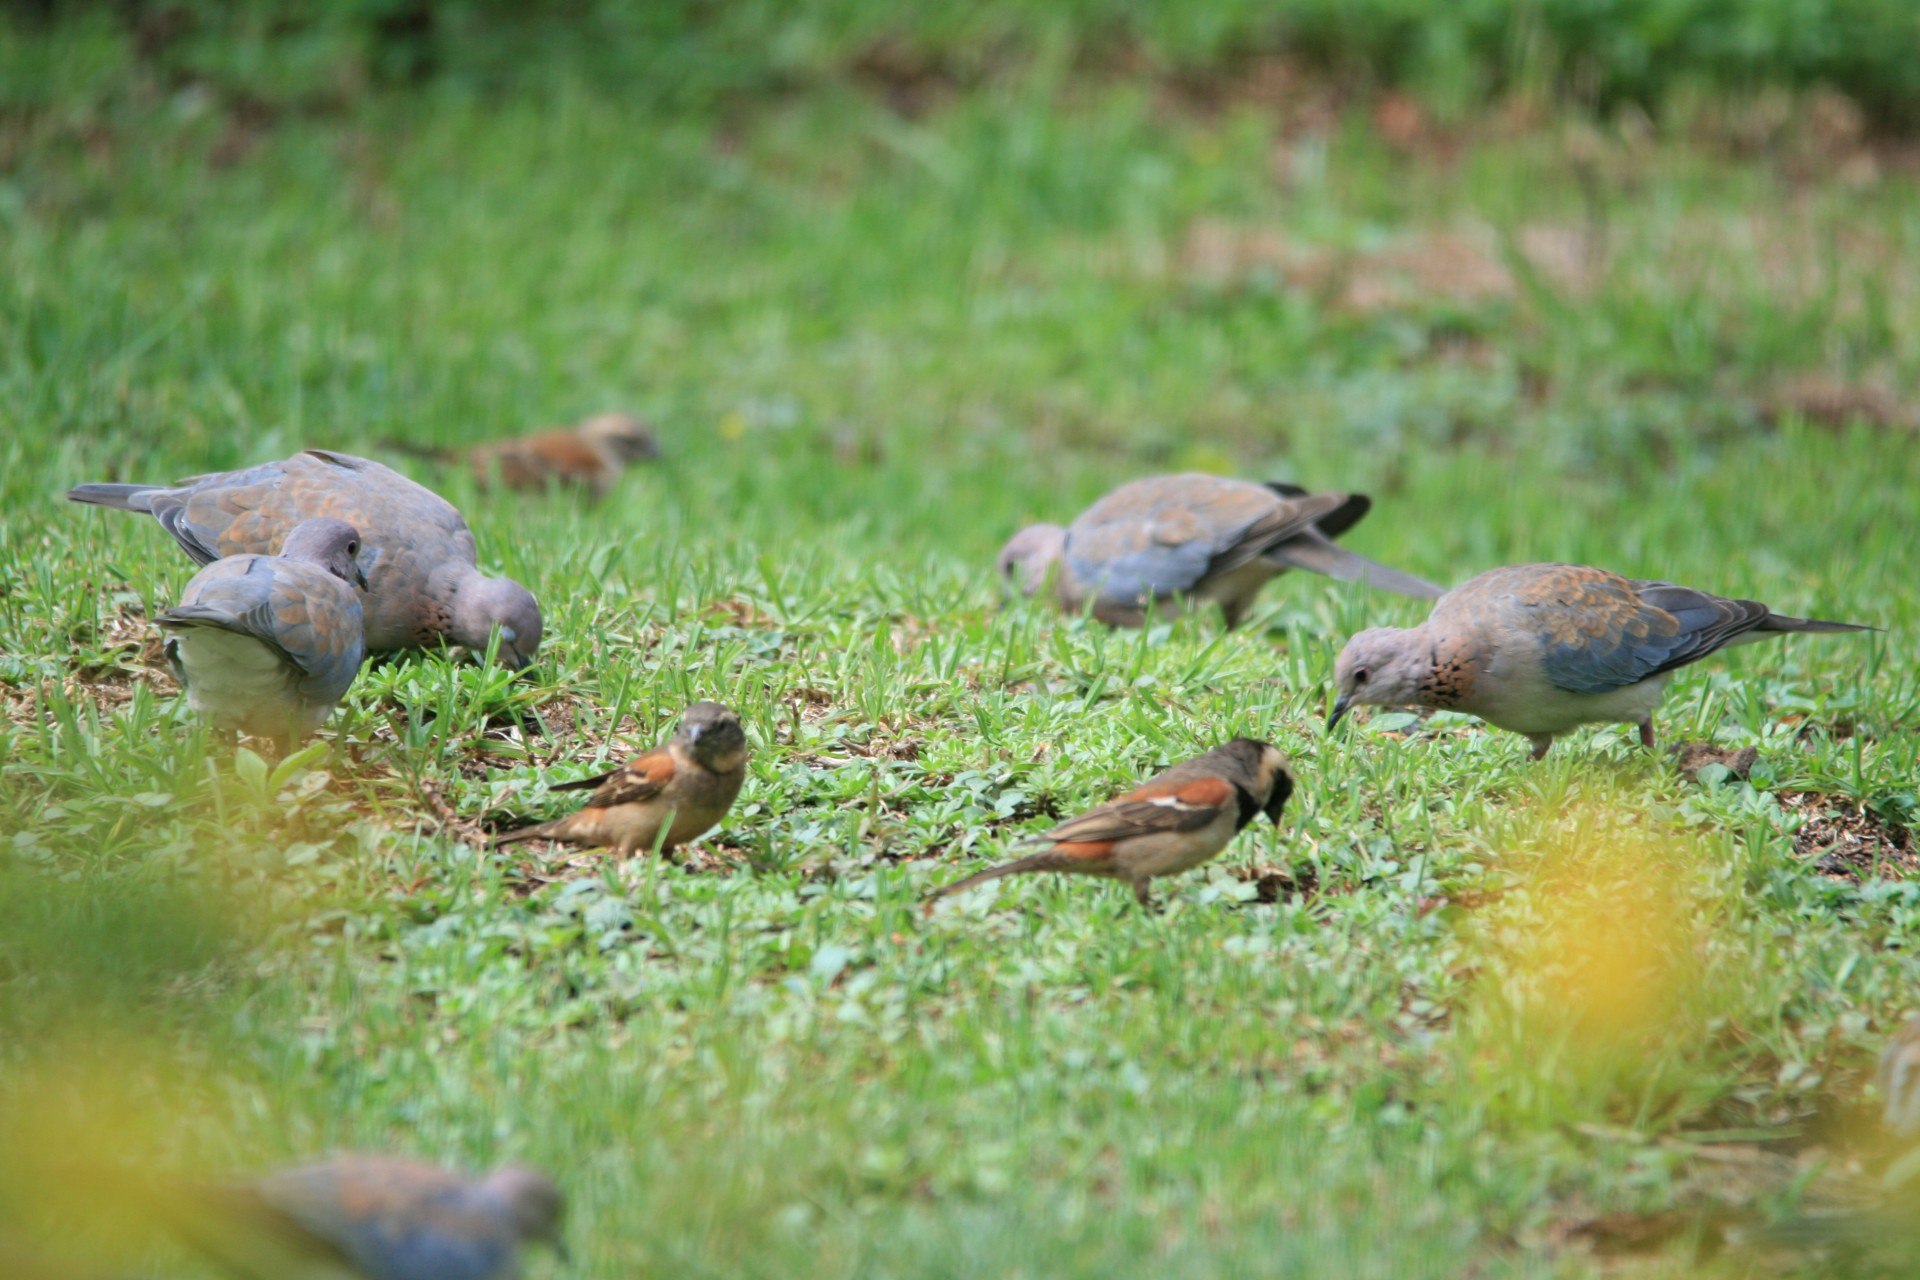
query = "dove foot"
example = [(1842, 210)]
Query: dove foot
[(1541, 745)]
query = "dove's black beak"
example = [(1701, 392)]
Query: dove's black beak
[(1339, 710), (360, 577)]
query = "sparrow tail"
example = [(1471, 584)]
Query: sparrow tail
[(127, 497), (538, 831), (1045, 860)]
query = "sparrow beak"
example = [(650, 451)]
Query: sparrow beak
[(1339, 710)]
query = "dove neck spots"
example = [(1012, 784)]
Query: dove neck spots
[(1450, 676)]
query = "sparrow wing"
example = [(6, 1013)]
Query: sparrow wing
[(640, 778), (1163, 805)]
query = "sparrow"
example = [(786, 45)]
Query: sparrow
[(1540, 649), (591, 456), (1177, 820), (683, 788)]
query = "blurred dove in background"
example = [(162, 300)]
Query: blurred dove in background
[(270, 644), (1541, 649), (423, 586), (362, 1217), (1169, 540)]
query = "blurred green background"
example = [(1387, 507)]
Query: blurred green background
[(1626, 283)]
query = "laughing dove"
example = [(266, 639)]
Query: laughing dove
[(590, 456), (418, 555), (670, 795), (1179, 819), (269, 644), (1167, 540), (371, 1218), (1543, 648)]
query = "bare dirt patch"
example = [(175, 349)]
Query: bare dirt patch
[(1828, 400), (1844, 840), (1691, 757)]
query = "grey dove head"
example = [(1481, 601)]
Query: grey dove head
[(1031, 554), (481, 603), (332, 544), (1382, 667), (713, 734), (630, 438), (1263, 772), (1900, 1081), (532, 1200)]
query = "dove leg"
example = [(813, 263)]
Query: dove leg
[(1542, 743), (1646, 733)]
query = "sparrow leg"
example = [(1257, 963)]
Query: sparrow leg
[(1646, 733), (1542, 743)]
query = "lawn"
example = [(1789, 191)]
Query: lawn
[(1459, 1015)]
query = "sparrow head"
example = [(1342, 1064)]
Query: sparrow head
[(1030, 555), (714, 736), (533, 1203), (629, 438), (1382, 667), (332, 544), (1262, 774), (1900, 1081), (482, 604)]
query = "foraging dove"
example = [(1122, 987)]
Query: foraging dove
[(1543, 648), (1168, 540), (372, 1218), (591, 456), (1177, 820), (417, 553), (686, 786), (270, 644)]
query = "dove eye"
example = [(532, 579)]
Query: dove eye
[(1360, 675)]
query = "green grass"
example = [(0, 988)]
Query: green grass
[(874, 346)]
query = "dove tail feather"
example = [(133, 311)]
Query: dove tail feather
[(1045, 860), (1322, 555), (125, 497), (1783, 622)]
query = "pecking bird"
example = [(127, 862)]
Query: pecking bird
[(418, 556), (1540, 649), (671, 795), (270, 644), (1166, 541), (1177, 820)]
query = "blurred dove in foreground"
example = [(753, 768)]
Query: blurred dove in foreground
[(1900, 1081), (1541, 649), (682, 789), (1168, 540), (591, 456), (423, 586), (270, 644), (371, 1218), (1177, 820)]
